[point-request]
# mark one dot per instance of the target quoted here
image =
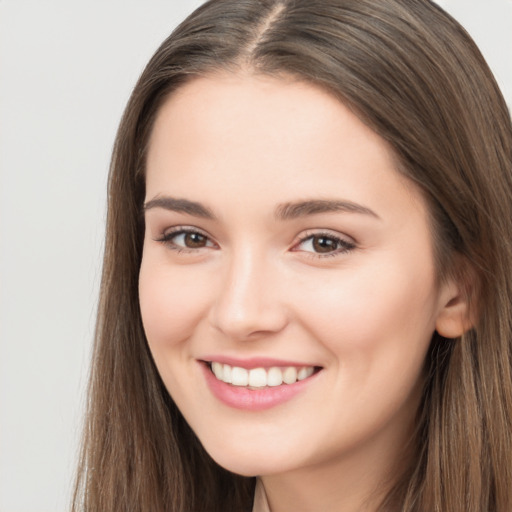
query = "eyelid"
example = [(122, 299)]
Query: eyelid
[(347, 242), (169, 233)]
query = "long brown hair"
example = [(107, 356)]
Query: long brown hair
[(413, 75)]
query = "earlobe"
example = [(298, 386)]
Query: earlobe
[(453, 321), (458, 310)]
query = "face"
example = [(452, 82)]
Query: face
[(287, 285)]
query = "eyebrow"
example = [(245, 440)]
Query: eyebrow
[(180, 205), (294, 210), (284, 211)]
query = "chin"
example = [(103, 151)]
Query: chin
[(249, 462)]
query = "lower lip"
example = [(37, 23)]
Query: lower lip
[(254, 399)]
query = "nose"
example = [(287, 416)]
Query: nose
[(248, 302)]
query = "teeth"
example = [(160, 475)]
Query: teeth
[(257, 377), (274, 377), (239, 376), (290, 375), (304, 373), (218, 370), (260, 377), (227, 374)]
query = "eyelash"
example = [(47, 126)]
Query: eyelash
[(167, 239), (343, 245)]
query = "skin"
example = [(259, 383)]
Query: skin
[(241, 145)]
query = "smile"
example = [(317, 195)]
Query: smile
[(257, 384), (260, 377)]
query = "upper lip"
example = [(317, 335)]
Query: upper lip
[(254, 362)]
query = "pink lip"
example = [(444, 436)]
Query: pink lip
[(254, 399), (255, 362)]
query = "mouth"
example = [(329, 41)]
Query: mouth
[(258, 384), (261, 377)]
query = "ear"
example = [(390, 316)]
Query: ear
[(457, 313)]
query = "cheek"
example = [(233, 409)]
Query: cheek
[(377, 328), (364, 311), (171, 302)]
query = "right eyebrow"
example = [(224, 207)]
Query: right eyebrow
[(294, 210), (180, 205)]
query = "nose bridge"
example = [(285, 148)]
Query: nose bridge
[(248, 299)]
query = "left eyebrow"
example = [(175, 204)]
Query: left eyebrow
[(180, 205), (294, 210)]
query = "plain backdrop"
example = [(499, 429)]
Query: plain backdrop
[(66, 71)]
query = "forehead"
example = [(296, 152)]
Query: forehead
[(242, 131), (260, 104)]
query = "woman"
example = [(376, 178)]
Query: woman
[(307, 269)]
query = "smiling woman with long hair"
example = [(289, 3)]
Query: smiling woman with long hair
[(306, 294)]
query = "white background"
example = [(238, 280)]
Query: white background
[(66, 71)]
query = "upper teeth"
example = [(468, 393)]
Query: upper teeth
[(260, 377)]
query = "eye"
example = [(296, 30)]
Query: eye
[(324, 244), (186, 239)]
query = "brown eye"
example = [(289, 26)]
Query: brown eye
[(194, 240), (184, 239), (323, 244)]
